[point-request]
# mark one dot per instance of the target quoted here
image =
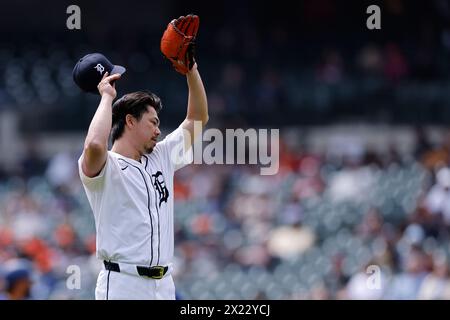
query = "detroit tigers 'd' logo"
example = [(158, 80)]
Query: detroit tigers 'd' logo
[(160, 186)]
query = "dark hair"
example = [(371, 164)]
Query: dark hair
[(136, 104)]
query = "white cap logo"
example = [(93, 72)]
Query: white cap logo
[(99, 68)]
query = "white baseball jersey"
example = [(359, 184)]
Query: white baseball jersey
[(132, 203)]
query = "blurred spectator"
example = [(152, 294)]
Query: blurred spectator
[(371, 226), (60, 170), (370, 60), (32, 163), (269, 92), (368, 284), (17, 280), (436, 285), (290, 240), (330, 70), (438, 199), (396, 66), (406, 285)]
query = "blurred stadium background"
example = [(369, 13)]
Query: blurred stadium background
[(365, 146)]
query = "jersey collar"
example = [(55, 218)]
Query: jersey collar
[(118, 155)]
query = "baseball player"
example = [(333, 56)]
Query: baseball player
[(130, 187)]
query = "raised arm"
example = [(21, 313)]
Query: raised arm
[(178, 46), (96, 143), (197, 109)]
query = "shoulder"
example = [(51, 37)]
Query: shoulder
[(113, 160), (174, 137), (164, 146), (171, 151), (97, 181)]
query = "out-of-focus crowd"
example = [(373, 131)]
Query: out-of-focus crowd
[(356, 225)]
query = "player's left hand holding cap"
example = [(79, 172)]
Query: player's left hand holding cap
[(89, 71)]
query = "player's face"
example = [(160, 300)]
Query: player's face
[(148, 130)]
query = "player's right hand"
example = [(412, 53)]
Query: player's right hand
[(107, 86)]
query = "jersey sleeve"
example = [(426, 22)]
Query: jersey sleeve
[(174, 150), (96, 182)]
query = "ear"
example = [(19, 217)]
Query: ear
[(130, 120)]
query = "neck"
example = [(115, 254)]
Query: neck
[(126, 148), (16, 295)]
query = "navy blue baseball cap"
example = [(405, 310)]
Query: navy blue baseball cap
[(89, 71), (16, 269)]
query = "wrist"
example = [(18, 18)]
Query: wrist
[(107, 97), (193, 69)]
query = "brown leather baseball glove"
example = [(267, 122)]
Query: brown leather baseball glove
[(178, 42)]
